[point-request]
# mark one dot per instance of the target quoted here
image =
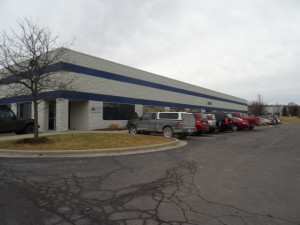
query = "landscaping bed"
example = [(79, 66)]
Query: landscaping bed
[(85, 141)]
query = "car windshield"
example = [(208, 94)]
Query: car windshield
[(203, 117), (6, 114), (229, 115)]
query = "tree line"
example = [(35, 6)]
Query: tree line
[(259, 107)]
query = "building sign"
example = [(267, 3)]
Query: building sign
[(96, 109)]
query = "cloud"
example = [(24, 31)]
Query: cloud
[(241, 48)]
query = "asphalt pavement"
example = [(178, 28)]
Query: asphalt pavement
[(247, 177)]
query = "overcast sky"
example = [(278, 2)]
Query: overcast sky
[(238, 47)]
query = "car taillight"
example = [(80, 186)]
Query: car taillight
[(198, 122), (180, 125), (226, 120)]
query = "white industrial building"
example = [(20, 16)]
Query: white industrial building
[(109, 93)]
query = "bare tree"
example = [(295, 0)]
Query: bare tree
[(293, 109), (284, 111), (27, 58), (257, 107)]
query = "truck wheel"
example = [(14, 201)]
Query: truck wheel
[(235, 128), (168, 132), (28, 129), (132, 129)]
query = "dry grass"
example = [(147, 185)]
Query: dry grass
[(290, 119), (80, 141)]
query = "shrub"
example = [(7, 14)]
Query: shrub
[(134, 116)]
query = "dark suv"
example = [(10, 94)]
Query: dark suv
[(224, 121), (9, 122)]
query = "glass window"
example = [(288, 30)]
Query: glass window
[(5, 114), (146, 116), (24, 110), (153, 116), (229, 115), (168, 115), (117, 111)]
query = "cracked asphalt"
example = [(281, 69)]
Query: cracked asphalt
[(234, 178)]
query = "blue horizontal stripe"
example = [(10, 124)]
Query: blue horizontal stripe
[(122, 78), (110, 98)]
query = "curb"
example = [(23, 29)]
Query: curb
[(90, 153)]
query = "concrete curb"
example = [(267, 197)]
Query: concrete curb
[(90, 153)]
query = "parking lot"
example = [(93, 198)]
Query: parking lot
[(246, 177)]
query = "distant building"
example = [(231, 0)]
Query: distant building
[(274, 109), (110, 93)]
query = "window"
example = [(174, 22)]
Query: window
[(149, 116), (116, 111), (24, 110), (52, 115), (168, 115), (146, 116), (6, 114)]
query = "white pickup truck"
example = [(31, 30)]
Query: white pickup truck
[(167, 123)]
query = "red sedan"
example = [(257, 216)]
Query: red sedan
[(239, 124)]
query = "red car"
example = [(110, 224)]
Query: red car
[(239, 124), (201, 123), (253, 121)]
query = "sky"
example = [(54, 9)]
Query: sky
[(238, 47)]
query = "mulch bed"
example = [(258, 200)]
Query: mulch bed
[(34, 141)]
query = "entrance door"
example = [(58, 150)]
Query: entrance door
[(52, 115)]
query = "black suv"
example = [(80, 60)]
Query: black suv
[(9, 122), (224, 121)]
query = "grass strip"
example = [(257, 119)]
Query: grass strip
[(290, 119)]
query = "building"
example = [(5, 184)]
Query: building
[(274, 109), (110, 93)]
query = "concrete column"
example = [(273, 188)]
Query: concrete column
[(13, 107), (62, 114), (95, 115), (43, 112), (139, 109)]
